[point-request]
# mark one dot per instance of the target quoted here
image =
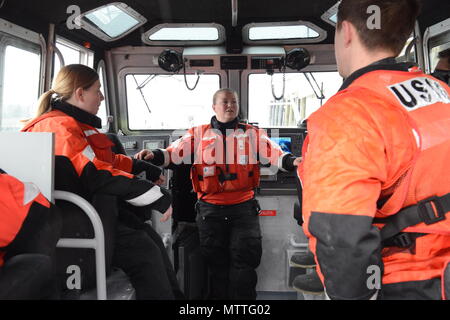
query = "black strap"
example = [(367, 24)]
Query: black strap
[(429, 211), (226, 176), (242, 126), (222, 177), (402, 240)]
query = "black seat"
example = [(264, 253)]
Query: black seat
[(188, 262)]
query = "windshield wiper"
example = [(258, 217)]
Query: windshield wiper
[(316, 89), (140, 87)]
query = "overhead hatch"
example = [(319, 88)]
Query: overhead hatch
[(111, 22)]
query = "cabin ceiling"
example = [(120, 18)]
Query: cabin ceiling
[(36, 14)]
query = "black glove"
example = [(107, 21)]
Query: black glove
[(152, 172), (163, 203)]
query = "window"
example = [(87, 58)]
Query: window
[(438, 43), (283, 32), (330, 16), (299, 98), (184, 34), (179, 33), (112, 22), (436, 39), (20, 92), (102, 111), (72, 53), (164, 102), (434, 54)]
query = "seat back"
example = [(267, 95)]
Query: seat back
[(29, 156)]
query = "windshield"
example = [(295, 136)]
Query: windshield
[(299, 99), (157, 101)]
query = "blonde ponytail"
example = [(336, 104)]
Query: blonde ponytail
[(44, 102), (68, 79)]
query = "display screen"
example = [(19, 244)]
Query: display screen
[(283, 142), (153, 144)]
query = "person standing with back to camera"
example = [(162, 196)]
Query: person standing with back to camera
[(375, 168)]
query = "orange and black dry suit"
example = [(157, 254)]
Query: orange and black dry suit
[(376, 151), (89, 151), (134, 246), (30, 227), (225, 171)]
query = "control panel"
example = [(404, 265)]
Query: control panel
[(276, 181)]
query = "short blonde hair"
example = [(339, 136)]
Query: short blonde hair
[(224, 90)]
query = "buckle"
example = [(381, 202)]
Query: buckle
[(402, 240), (427, 213)]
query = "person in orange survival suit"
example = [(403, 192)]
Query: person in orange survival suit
[(71, 115), (224, 174), (377, 153), (30, 227)]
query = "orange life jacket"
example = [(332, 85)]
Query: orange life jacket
[(225, 169), (231, 171), (401, 122), (16, 199), (425, 104)]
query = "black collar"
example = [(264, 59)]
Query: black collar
[(216, 124), (76, 113), (384, 64)]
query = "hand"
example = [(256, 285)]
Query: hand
[(166, 216), (144, 155), (297, 161), (160, 181)]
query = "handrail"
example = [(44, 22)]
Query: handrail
[(295, 244), (97, 243)]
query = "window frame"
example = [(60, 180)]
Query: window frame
[(85, 53), (124, 123), (441, 31), (23, 39), (246, 29), (329, 13), (96, 31), (220, 29), (102, 73), (245, 81)]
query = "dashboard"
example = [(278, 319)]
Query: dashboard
[(272, 182)]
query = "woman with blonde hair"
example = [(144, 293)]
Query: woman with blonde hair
[(69, 110)]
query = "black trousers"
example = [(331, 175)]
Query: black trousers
[(29, 269), (140, 253), (27, 277), (230, 240)]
